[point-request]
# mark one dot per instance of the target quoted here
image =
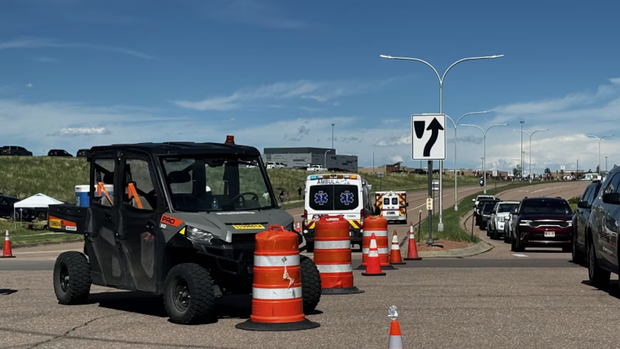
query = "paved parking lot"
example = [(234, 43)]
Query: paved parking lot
[(493, 300)]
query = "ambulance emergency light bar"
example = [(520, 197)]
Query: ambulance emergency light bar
[(334, 176)]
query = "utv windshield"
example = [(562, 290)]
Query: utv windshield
[(202, 183)]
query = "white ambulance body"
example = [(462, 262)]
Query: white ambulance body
[(332, 195), (392, 206)]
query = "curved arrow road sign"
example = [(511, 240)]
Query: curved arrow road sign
[(428, 137)]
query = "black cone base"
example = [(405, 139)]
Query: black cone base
[(400, 263), (378, 274), (361, 267), (348, 290), (288, 326), (388, 267), (413, 259), (7, 256)]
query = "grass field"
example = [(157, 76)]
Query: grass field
[(57, 177), (21, 235), (453, 230)]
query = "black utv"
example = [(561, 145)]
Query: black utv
[(175, 219)]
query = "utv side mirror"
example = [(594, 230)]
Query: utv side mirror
[(583, 204), (611, 198)]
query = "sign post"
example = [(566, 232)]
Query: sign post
[(428, 142)]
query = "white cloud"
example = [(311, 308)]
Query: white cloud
[(80, 131), (46, 60), (29, 85), (321, 91), (42, 43), (396, 158)]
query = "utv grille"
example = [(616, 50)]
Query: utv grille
[(243, 238)]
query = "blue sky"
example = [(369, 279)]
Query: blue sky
[(277, 73)]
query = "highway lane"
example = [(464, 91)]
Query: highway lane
[(566, 190), (453, 304)]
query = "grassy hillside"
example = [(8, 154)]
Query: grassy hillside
[(57, 177)]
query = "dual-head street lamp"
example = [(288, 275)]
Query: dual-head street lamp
[(484, 139), (441, 79), (455, 124), (599, 148), (529, 135)]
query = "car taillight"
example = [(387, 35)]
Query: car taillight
[(305, 215), (362, 215)]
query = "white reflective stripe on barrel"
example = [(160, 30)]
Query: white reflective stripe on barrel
[(381, 250), (276, 261), (334, 268), (376, 232), (276, 293), (324, 245)]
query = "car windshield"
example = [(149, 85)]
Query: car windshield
[(202, 183), (504, 208), (546, 207)]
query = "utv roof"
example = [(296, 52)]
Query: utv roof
[(181, 148)]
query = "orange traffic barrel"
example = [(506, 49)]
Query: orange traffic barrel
[(277, 303), (379, 226), (332, 255)]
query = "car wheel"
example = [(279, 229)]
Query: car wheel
[(72, 279), (598, 277), (515, 245), (310, 284), (188, 294), (42, 216)]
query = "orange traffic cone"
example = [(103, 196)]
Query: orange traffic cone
[(412, 249), (7, 252), (298, 227), (396, 341), (395, 256), (373, 267)]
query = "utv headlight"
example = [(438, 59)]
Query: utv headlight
[(198, 235)]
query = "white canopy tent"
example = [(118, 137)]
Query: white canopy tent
[(37, 201)]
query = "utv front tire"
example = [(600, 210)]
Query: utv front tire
[(188, 294), (72, 278), (310, 284)]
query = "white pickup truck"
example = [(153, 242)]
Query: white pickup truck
[(316, 168)]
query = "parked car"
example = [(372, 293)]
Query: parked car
[(12, 150), (274, 165), (478, 208), (82, 153), (508, 220), (486, 210), (316, 168), (542, 222), (6, 205), (580, 221), (58, 152), (498, 218), (479, 197), (602, 231)]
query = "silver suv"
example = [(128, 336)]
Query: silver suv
[(498, 218)]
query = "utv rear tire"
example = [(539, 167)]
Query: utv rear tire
[(310, 284), (188, 294), (72, 278)]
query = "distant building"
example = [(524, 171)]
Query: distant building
[(303, 156)]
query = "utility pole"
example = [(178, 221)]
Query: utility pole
[(521, 155)]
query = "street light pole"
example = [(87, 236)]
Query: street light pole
[(456, 192), (599, 148), (529, 135), (333, 136), (441, 80), (484, 139), (325, 156), (521, 153)]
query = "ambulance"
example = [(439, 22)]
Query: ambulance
[(392, 205), (332, 195)]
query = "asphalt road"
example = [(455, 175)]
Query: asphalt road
[(493, 300)]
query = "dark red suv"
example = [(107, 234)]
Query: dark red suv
[(542, 222)]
